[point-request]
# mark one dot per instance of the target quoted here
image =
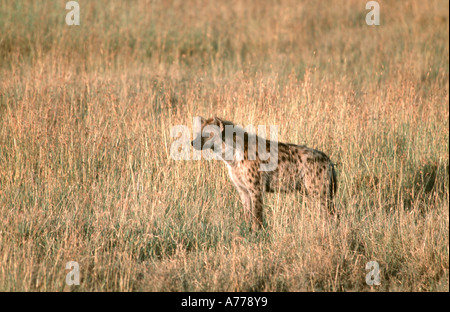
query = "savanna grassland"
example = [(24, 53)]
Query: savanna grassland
[(85, 167)]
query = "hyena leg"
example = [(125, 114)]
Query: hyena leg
[(246, 202), (256, 196), (315, 189), (322, 187)]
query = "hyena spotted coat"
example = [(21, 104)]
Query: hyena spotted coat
[(298, 168)]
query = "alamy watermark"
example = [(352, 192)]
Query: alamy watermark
[(373, 17), (73, 16), (73, 277), (373, 277)]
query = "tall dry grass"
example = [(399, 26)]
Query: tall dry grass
[(85, 170)]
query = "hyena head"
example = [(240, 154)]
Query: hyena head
[(211, 132)]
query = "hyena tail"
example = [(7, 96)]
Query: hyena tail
[(334, 183), (332, 191)]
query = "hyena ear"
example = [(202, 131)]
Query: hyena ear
[(202, 120), (221, 123)]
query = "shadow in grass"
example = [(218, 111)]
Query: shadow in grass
[(425, 180), (419, 184)]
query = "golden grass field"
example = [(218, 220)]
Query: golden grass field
[(85, 167)]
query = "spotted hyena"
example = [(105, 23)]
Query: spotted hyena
[(297, 167)]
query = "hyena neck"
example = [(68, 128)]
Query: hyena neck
[(239, 145)]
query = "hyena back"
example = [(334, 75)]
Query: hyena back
[(299, 168)]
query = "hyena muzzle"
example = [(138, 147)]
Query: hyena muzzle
[(297, 167)]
